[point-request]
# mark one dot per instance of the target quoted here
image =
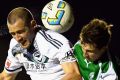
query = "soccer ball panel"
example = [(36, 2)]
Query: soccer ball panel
[(57, 16)]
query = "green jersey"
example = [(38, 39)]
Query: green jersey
[(100, 70)]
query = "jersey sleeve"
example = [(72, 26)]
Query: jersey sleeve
[(12, 64), (64, 52)]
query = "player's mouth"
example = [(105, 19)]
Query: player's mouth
[(24, 43)]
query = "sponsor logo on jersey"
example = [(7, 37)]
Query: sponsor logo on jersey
[(68, 57), (34, 67)]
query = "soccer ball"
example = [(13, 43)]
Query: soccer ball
[(57, 16)]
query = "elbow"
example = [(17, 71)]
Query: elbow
[(75, 76), (78, 76)]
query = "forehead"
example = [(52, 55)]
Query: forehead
[(18, 25), (88, 46), (18, 21)]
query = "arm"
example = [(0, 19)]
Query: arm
[(6, 76), (71, 71)]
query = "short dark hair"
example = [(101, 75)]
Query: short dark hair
[(19, 13), (96, 32)]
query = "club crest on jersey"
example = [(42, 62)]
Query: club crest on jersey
[(91, 76), (40, 58), (36, 54)]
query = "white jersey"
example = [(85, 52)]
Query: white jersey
[(42, 60)]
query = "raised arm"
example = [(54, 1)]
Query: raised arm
[(71, 71), (6, 76)]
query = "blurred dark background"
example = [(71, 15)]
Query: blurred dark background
[(84, 11)]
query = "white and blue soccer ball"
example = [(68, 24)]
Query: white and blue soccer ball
[(57, 16)]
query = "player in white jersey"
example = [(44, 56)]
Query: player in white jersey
[(46, 55), (92, 52)]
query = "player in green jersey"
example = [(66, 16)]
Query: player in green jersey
[(92, 51)]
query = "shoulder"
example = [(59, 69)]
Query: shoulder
[(13, 42), (52, 35), (77, 44), (13, 47), (77, 49)]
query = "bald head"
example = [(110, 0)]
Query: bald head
[(19, 13)]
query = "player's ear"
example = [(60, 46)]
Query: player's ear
[(33, 23)]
